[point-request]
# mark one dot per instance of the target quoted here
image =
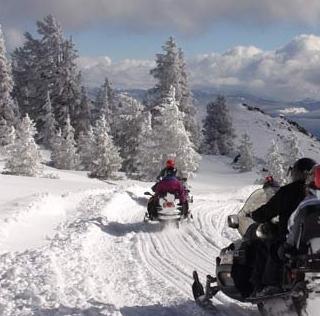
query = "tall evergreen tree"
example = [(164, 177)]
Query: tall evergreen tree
[(68, 98), (170, 71), (146, 164), (104, 103), (56, 147), (167, 71), (187, 107), (31, 78), (50, 124), (6, 85), (83, 114), (127, 126), (246, 160), (171, 140), (47, 64), (217, 128), (24, 156), (107, 160)]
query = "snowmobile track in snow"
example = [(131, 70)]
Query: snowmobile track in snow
[(104, 260)]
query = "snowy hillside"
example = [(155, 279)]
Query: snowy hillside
[(263, 128), (305, 112)]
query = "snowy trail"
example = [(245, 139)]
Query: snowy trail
[(102, 259)]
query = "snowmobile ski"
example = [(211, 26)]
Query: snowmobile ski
[(201, 296)]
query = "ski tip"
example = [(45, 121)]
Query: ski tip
[(195, 275)]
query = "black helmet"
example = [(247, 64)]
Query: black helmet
[(301, 168)]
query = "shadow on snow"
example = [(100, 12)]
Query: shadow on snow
[(122, 229)]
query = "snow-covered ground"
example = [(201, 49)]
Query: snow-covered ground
[(75, 246), (79, 246), (83, 248)]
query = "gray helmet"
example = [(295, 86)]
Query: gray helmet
[(301, 168)]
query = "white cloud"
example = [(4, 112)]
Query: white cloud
[(294, 110), (291, 72), (127, 74), (185, 15)]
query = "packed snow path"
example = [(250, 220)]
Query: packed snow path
[(104, 260)]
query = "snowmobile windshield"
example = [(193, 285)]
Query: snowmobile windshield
[(255, 200)]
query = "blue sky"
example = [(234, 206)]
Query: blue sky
[(137, 28), (254, 46), (119, 44)]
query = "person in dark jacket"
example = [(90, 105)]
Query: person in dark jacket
[(282, 204), (287, 198)]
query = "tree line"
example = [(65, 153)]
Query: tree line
[(44, 102)]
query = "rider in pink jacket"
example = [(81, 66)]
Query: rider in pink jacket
[(170, 184)]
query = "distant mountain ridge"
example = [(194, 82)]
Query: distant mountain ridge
[(310, 119)]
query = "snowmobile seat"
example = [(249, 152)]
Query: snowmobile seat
[(307, 239), (309, 229)]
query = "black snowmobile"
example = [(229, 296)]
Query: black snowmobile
[(234, 266)]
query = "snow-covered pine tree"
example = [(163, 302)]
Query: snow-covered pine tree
[(104, 103), (68, 98), (170, 71), (10, 139), (24, 156), (31, 81), (4, 128), (127, 126), (49, 129), (56, 147), (65, 151), (83, 113), (291, 151), (167, 71), (7, 136), (171, 139), (217, 128), (246, 160), (86, 147), (106, 159), (187, 104), (275, 163), (43, 64), (35, 69), (6, 85), (146, 164)]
